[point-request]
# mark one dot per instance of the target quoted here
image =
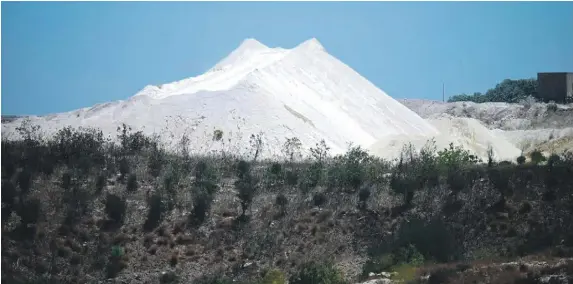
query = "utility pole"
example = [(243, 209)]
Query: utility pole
[(443, 92)]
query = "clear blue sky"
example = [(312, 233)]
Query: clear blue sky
[(65, 55)]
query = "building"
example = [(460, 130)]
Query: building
[(555, 86)]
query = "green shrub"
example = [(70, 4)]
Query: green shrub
[(406, 255), (276, 169), (132, 142), (100, 183), (9, 194), (292, 177), (521, 160), (217, 135), (500, 178), (24, 180), (378, 264), (213, 279), (246, 186), (155, 162), (281, 201), (537, 157), (273, 277), (81, 149), (66, 180), (349, 171), (155, 212), (433, 240), (363, 196), (314, 273), (116, 251), (132, 183), (553, 160), (30, 211), (201, 207), (115, 208), (123, 167), (319, 199), (454, 158)]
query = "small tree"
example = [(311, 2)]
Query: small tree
[(320, 152), (217, 135), (537, 157), (257, 144), (292, 149), (521, 160), (553, 160), (246, 186)]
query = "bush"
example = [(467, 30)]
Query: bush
[(363, 196), (282, 202), (349, 170), (115, 208), (406, 255), (246, 186), (201, 207), (537, 157), (292, 178), (155, 162), (314, 273), (79, 148), (132, 142), (500, 178), (454, 158), (9, 194), (553, 160), (24, 180), (66, 181), (132, 183), (100, 183), (213, 279), (319, 199), (154, 214), (377, 264), (521, 160), (123, 167), (273, 277), (30, 211), (206, 179), (276, 169), (431, 239)]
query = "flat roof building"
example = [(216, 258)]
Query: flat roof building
[(555, 86)]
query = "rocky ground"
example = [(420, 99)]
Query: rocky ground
[(79, 210)]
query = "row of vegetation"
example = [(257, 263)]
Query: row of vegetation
[(509, 91), (83, 162)]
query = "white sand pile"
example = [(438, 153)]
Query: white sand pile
[(465, 132)]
